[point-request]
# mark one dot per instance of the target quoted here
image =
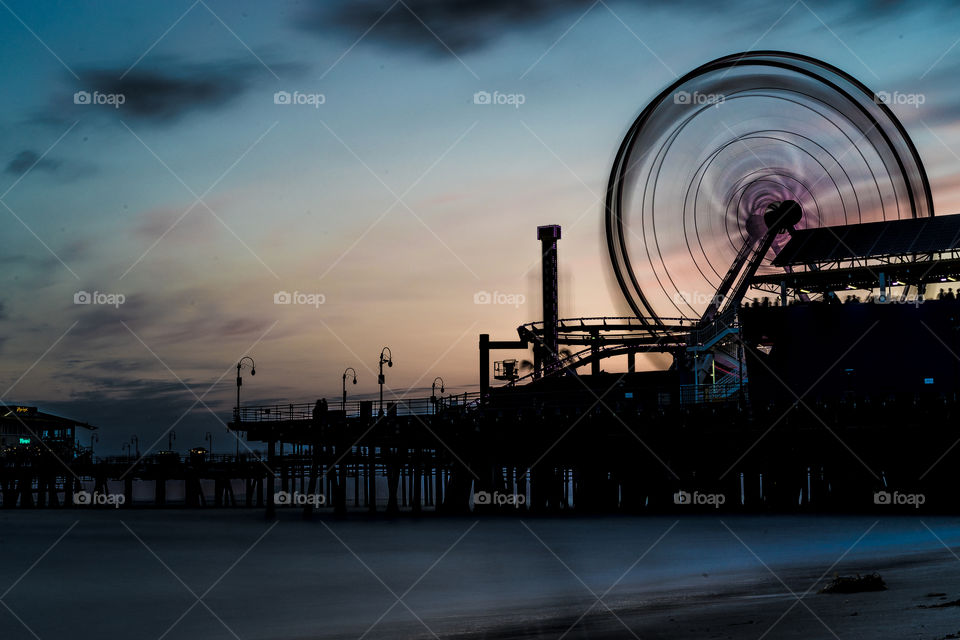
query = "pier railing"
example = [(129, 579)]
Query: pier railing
[(362, 408)]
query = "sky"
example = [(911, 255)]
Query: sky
[(184, 163)]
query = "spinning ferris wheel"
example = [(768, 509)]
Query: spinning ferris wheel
[(724, 164)]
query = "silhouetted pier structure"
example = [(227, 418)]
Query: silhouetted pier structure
[(559, 449)]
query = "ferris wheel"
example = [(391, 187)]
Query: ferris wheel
[(719, 169)]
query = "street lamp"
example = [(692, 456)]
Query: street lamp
[(170, 438), (236, 420), (93, 438), (343, 402), (433, 392), (389, 361), (136, 442), (209, 438)]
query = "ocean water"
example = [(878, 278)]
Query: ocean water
[(152, 574)]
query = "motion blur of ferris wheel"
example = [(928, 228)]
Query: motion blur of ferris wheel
[(723, 165)]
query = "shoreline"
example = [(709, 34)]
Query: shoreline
[(473, 578), (766, 609)]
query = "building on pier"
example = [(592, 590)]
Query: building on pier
[(23, 426)]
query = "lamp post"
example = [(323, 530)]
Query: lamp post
[(135, 441), (433, 392), (389, 361), (236, 420), (170, 438), (209, 438), (343, 401), (93, 438)]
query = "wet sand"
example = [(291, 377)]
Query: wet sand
[(135, 574), (766, 609)]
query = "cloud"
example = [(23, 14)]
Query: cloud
[(430, 26), (462, 25), (29, 159), (169, 94), (171, 89)]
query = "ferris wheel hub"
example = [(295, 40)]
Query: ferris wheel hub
[(783, 215)]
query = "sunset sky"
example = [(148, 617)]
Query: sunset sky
[(386, 193)]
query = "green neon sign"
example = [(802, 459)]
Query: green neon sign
[(24, 440)]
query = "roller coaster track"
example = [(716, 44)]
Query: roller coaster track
[(605, 337)]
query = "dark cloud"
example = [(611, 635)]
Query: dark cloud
[(171, 89), (27, 159), (171, 93), (462, 25), (466, 25)]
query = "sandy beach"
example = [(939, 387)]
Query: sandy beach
[(766, 609), (227, 574)]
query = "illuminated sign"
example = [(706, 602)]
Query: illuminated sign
[(928, 381), (24, 440), (23, 409)]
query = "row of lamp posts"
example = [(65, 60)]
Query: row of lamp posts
[(386, 358)]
